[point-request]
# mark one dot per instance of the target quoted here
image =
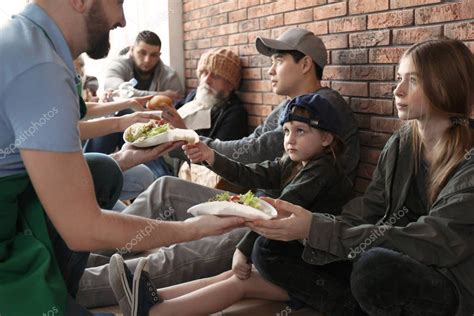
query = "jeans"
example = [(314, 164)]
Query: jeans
[(135, 181), (107, 178), (382, 282), (168, 198), (324, 288), (386, 282)]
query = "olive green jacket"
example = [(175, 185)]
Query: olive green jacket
[(444, 238)]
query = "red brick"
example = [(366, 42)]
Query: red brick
[(220, 41), (252, 36), (460, 31), (252, 73), (219, 19), (347, 24), (192, 83), (271, 21), (248, 3), (368, 39), (298, 16), (363, 120), (308, 3), (191, 63), (271, 8), (366, 6), (349, 56), (384, 124), (190, 44), (255, 121), (228, 5), (209, 11), (443, 13), (337, 72), (251, 97), (238, 39), (249, 49), (204, 43), (335, 41), (276, 32), (248, 25), (374, 106), (371, 72), (390, 19), (365, 170), (389, 55), (370, 155), (381, 89), (317, 28), (258, 110), (238, 15), (350, 88), (259, 61), (330, 11), (256, 86), (415, 34), (373, 139), (401, 4)]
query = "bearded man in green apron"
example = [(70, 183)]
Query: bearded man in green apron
[(46, 187)]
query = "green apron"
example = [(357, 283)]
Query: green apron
[(30, 280)]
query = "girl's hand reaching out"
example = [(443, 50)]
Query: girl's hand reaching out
[(199, 152)]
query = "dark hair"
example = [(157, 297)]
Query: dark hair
[(149, 38), (297, 56)]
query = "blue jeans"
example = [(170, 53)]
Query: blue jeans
[(381, 283), (107, 178)]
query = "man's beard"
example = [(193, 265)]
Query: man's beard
[(207, 95), (98, 44)]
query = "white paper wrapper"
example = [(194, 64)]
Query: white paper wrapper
[(234, 209), (172, 135)]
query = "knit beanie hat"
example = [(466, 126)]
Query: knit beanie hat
[(222, 62)]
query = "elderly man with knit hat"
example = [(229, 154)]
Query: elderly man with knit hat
[(213, 110)]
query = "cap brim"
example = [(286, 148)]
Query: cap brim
[(267, 46)]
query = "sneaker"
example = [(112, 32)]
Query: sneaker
[(135, 294)]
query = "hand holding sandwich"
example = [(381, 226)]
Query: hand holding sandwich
[(199, 152)]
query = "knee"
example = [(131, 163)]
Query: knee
[(373, 272)]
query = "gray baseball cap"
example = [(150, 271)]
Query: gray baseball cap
[(295, 39)]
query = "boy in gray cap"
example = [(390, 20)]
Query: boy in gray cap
[(298, 60)]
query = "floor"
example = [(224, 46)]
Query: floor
[(250, 307)]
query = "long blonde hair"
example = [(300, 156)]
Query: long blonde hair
[(446, 70)]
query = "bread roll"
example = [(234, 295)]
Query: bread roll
[(158, 101)]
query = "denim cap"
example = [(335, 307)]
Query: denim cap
[(322, 114)]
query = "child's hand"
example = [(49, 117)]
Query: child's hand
[(199, 152), (240, 266)]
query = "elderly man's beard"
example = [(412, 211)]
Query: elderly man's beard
[(98, 44), (207, 95)]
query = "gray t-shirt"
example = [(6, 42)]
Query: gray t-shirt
[(39, 107)]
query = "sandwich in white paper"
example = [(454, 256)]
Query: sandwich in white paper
[(152, 134), (243, 205)]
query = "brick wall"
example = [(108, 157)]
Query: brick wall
[(364, 38)]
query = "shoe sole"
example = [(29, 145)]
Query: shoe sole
[(117, 265), (136, 284)]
